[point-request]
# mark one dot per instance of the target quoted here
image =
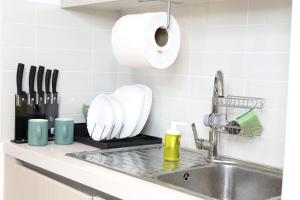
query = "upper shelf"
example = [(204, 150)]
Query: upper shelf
[(121, 4)]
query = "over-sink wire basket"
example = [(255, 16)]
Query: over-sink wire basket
[(240, 102), (237, 102)]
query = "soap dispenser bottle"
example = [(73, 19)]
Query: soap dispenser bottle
[(172, 142)]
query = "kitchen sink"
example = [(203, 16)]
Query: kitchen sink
[(224, 178), (228, 181)]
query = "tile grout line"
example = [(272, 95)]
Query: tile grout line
[(117, 64), (190, 52), (245, 59), (237, 52), (189, 81), (204, 77), (53, 26), (92, 63), (35, 34)]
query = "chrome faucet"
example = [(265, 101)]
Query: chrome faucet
[(212, 120)]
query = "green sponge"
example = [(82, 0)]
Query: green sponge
[(250, 123)]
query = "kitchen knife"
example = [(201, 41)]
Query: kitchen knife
[(53, 108), (20, 92), (47, 85), (54, 105), (21, 103), (41, 97), (32, 107), (48, 95)]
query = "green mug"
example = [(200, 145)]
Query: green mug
[(38, 132), (64, 131)]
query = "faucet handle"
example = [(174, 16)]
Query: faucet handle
[(195, 132), (200, 143), (196, 138)]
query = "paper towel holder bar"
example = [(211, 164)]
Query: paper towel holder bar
[(168, 11)]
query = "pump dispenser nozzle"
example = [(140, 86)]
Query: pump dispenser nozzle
[(174, 130)]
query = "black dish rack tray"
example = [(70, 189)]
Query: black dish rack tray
[(81, 135)]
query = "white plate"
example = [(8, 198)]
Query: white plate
[(132, 101), (118, 115), (100, 118), (146, 110)]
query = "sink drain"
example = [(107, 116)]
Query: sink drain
[(186, 176)]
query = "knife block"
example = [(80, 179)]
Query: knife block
[(21, 120), (23, 114)]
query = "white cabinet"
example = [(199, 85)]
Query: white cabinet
[(22, 183), (121, 4), (59, 191)]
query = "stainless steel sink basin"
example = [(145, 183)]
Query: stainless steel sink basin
[(228, 181), (224, 178)]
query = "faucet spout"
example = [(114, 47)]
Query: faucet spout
[(219, 84), (218, 90), (212, 145)]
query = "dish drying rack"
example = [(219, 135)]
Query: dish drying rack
[(238, 102)]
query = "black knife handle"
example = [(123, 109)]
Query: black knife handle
[(20, 78), (32, 73), (47, 80), (54, 80), (40, 80)]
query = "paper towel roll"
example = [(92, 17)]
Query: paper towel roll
[(141, 40)]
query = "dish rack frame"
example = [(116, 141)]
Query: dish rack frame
[(236, 102)]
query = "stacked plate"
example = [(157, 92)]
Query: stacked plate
[(121, 114)]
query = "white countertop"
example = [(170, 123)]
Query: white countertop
[(52, 158)]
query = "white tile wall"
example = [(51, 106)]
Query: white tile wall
[(75, 41), (247, 39), (1, 123), (1, 64)]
